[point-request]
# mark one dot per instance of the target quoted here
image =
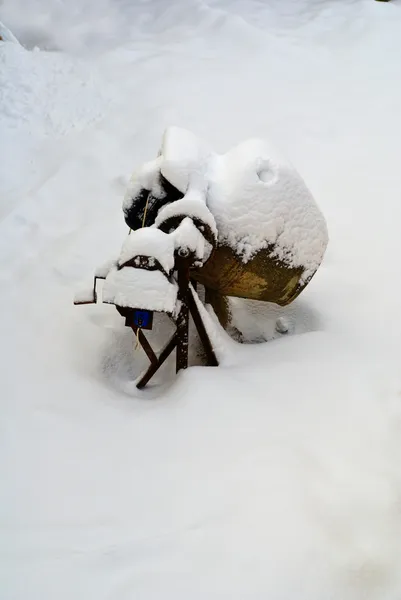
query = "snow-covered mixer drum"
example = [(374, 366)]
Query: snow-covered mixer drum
[(271, 235)]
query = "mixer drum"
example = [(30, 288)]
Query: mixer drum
[(261, 278)]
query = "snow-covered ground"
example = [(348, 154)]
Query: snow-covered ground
[(278, 474)]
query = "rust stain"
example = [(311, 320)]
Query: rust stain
[(262, 278)]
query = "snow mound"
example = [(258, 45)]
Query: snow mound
[(84, 296), (251, 197), (188, 239), (192, 205), (151, 242), (144, 178), (259, 200), (186, 159), (103, 270), (140, 288)]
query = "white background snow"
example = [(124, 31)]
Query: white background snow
[(278, 474)]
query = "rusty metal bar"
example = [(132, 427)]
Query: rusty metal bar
[(145, 344), (165, 353)]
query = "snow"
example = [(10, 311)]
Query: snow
[(188, 239), (151, 242), (6, 35), (224, 347), (145, 178), (186, 158), (102, 270), (41, 82), (140, 288), (282, 325), (258, 200), (191, 205), (277, 474), (256, 197), (84, 296)]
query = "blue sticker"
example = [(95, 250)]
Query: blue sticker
[(142, 318)]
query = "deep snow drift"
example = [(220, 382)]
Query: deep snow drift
[(276, 475)]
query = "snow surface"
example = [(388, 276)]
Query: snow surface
[(259, 200), (151, 242), (140, 288), (276, 475), (186, 158), (146, 177), (192, 205), (103, 270), (188, 239), (84, 295)]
